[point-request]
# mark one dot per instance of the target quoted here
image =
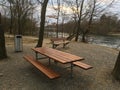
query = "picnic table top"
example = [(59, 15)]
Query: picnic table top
[(57, 55)]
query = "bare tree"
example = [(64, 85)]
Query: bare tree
[(11, 19), (92, 8), (3, 53), (91, 15), (57, 9), (42, 23), (79, 19), (20, 10), (116, 70)]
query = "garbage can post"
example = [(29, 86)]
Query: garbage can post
[(18, 43)]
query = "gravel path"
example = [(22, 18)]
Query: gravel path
[(18, 74)]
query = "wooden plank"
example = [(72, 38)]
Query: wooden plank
[(82, 65), (47, 71), (66, 58), (61, 42), (68, 55), (57, 39), (51, 55), (58, 55), (64, 54), (58, 42)]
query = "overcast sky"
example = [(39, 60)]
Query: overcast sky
[(115, 7)]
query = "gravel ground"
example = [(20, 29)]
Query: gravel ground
[(18, 74)]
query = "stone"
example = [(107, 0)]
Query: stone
[(1, 74)]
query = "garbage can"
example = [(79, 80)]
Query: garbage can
[(18, 43)]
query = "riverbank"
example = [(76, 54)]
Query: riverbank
[(18, 74)]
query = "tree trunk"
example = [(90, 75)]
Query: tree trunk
[(84, 34), (116, 70), (42, 23), (11, 19), (83, 38), (79, 21), (78, 30), (3, 53)]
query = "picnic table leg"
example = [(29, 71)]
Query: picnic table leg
[(63, 45), (36, 55), (55, 62), (53, 46), (71, 73), (49, 61)]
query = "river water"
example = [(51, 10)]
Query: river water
[(108, 41)]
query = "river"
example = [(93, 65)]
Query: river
[(109, 41)]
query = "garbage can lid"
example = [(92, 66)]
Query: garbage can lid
[(18, 36)]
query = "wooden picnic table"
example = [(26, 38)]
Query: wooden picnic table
[(58, 56), (58, 41)]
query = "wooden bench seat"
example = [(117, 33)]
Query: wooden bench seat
[(57, 41), (47, 71), (82, 65)]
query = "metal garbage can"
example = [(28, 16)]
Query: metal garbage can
[(18, 43)]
